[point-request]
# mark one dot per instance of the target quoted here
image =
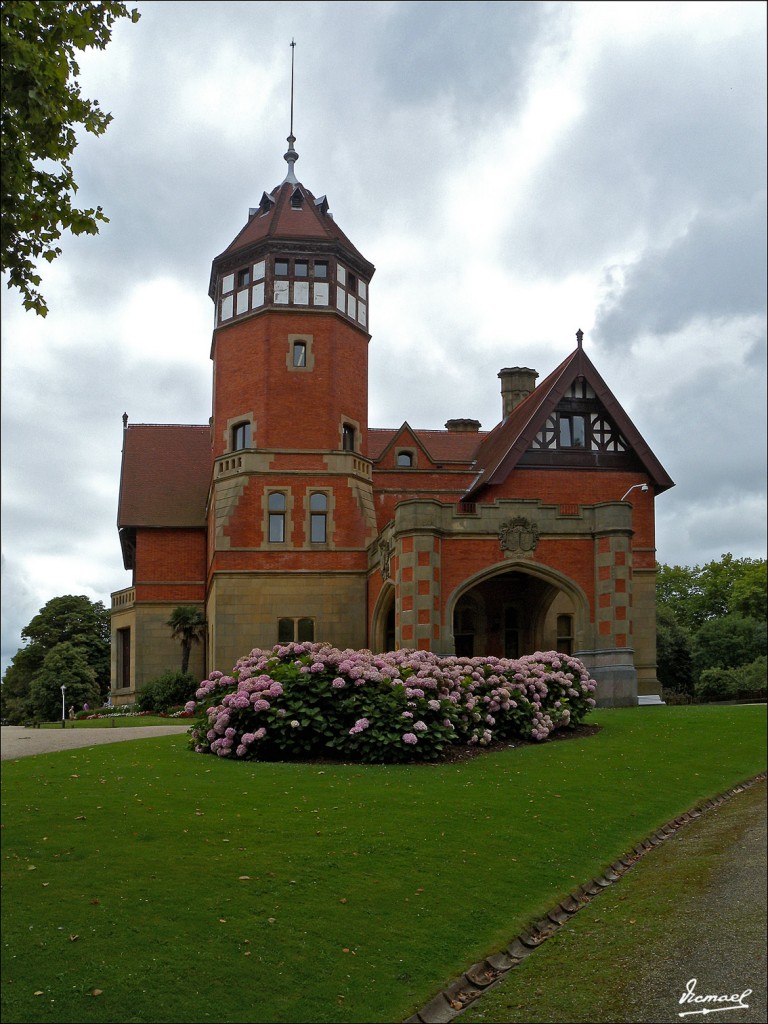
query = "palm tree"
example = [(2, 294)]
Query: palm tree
[(187, 625)]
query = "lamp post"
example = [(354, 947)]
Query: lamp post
[(63, 716)]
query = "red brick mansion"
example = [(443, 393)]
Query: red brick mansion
[(287, 516)]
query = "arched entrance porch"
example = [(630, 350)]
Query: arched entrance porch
[(509, 611)]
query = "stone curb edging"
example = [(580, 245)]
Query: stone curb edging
[(482, 976)]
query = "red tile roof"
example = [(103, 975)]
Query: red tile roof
[(166, 473), (280, 220), (441, 445)]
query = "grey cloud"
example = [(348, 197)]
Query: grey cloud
[(702, 274), (668, 129)]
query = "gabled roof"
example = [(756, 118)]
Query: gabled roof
[(165, 476), (502, 448), (291, 213), (441, 446)]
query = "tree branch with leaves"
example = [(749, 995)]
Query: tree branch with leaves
[(42, 107)]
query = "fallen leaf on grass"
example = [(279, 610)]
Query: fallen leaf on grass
[(244, 878), (96, 992), (73, 938), (39, 993)]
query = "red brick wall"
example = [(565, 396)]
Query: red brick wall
[(292, 408), (170, 565)]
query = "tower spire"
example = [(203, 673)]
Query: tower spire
[(291, 156)]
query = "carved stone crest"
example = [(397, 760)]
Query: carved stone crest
[(519, 536)]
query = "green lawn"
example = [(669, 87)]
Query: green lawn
[(188, 888)]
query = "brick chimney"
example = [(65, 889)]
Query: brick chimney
[(517, 382)]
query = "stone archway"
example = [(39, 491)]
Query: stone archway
[(518, 608), (383, 620)]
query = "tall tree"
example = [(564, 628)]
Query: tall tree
[(68, 619), (42, 107), (64, 665), (188, 626)]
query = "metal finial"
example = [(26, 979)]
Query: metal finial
[(291, 156), (579, 337)]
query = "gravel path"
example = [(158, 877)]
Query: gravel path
[(17, 741)]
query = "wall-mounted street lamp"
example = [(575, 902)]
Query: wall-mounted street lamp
[(643, 487), (63, 717)]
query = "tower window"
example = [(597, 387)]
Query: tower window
[(281, 268), (276, 506), (299, 353), (321, 269), (301, 268), (318, 517), (241, 436), (352, 284), (243, 278), (348, 437)]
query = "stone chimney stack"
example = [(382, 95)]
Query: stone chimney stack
[(517, 382), (464, 426)]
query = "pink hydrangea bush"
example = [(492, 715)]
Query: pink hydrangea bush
[(312, 700)]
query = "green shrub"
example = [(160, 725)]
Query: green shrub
[(751, 679), (168, 690), (717, 684), (312, 700)]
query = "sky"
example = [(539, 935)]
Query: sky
[(515, 172)]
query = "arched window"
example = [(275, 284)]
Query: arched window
[(241, 436), (276, 506), (405, 458), (295, 630), (318, 517)]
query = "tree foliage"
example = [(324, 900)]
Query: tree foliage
[(42, 107), (65, 665), (71, 620), (710, 618)]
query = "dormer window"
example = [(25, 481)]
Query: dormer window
[(405, 459), (297, 199)]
